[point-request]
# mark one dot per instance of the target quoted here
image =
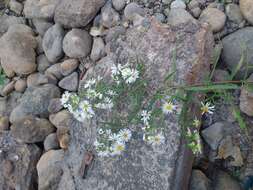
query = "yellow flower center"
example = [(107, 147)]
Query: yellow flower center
[(119, 147), (204, 109), (169, 107)]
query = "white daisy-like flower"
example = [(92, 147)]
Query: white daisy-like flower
[(87, 109), (89, 83), (101, 131), (206, 108), (65, 98), (115, 70), (113, 137), (124, 135), (145, 117), (108, 131), (117, 148), (103, 153), (168, 107), (157, 139), (111, 93), (130, 75)]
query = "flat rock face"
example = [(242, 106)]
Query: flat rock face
[(142, 166)]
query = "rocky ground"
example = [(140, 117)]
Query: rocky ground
[(46, 48)]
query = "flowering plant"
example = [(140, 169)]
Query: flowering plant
[(128, 85)]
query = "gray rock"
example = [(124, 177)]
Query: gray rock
[(8, 88), (98, 49), (4, 123), (114, 33), (234, 46), (14, 57), (39, 49), (55, 105), (233, 13), (220, 75), (160, 17), (246, 99), (69, 83), (109, 17), (214, 17), (16, 6), (41, 26), (142, 166), (179, 16), (77, 43), (18, 163), (246, 7), (49, 169), (31, 129), (178, 4), (77, 13), (68, 66), (37, 79), (30, 103), (40, 9), (199, 181), (42, 63), (119, 4), (7, 104), (132, 9), (225, 182), (54, 70), (6, 21), (213, 135), (20, 85), (60, 119), (52, 43), (51, 142), (196, 12)]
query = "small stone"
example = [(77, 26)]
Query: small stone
[(60, 119), (109, 17), (70, 82), (20, 85), (119, 4), (55, 70), (233, 13), (52, 43), (196, 12), (41, 26), (214, 17), (246, 7), (39, 49), (37, 79), (246, 99), (63, 137), (98, 49), (49, 169), (178, 4), (51, 142), (193, 4), (31, 129), (213, 135), (132, 9), (220, 75), (199, 181), (4, 123), (8, 88), (55, 105), (42, 63), (16, 6), (68, 66), (223, 181), (179, 16), (77, 43)]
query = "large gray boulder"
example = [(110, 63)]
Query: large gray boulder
[(17, 163), (141, 166), (17, 50), (77, 13), (35, 101), (236, 45)]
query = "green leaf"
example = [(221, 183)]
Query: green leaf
[(213, 87), (215, 59), (239, 118)]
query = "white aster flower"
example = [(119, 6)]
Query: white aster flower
[(124, 135), (130, 75), (145, 117), (87, 109), (113, 137), (103, 153), (89, 83), (168, 107), (100, 131), (65, 98), (115, 70), (111, 93), (206, 108), (157, 139), (118, 148), (108, 131)]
